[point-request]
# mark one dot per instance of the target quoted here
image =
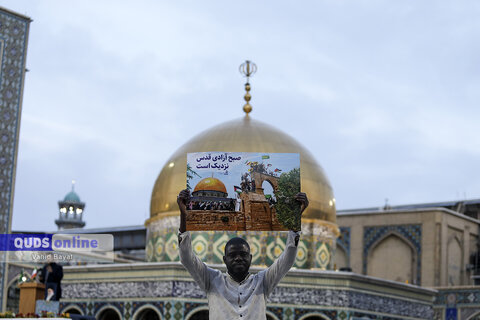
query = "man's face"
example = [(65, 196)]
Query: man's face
[(237, 258)]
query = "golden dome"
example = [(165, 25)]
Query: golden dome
[(210, 184), (242, 135)]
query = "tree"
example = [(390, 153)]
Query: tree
[(190, 174), (288, 209)]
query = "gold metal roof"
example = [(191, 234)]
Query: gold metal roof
[(242, 135)]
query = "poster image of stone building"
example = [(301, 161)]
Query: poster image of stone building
[(242, 191)]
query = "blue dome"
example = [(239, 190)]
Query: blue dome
[(72, 197)]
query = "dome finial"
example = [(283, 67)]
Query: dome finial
[(73, 185), (248, 69)]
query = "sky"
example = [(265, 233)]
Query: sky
[(384, 94)]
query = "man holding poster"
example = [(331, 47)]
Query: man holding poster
[(236, 294)]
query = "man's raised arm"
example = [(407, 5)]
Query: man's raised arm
[(197, 269), (285, 261)]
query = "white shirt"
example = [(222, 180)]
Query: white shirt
[(228, 299)]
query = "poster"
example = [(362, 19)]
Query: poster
[(243, 191)]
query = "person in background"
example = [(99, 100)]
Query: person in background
[(51, 275)]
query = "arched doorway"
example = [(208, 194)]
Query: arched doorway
[(147, 314), (199, 315), (13, 297), (108, 314), (72, 310), (270, 317), (314, 317)]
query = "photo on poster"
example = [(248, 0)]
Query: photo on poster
[(243, 191)]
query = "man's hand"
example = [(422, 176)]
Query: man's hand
[(182, 201), (302, 198)]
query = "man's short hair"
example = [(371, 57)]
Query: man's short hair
[(236, 240)]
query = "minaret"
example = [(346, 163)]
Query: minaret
[(70, 211)]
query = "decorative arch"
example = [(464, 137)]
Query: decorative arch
[(454, 260), (475, 316), (145, 308), (260, 178), (191, 315), (13, 294), (314, 316), (406, 267), (411, 233), (103, 311), (343, 241), (341, 258), (72, 307), (271, 315)]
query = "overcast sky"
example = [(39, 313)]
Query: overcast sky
[(385, 94)]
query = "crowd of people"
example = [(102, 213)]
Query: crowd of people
[(228, 205), (247, 184)]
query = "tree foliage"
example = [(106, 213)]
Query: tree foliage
[(288, 210), (190, 174)]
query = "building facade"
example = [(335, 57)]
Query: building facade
[(14, 29)]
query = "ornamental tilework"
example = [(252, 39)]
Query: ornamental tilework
[(100, 306), (171, 248), (180, 309), (127, 314), (328, 314), (192, 307), (105, 290), (303, 300), (275, 247), (200, 246), (155, 305), (411, 232), (13, 47), (322, 257), (358, 300), (220, 240), (255, 242), (314, 251), (159, 248), (149, 250), (344, 241), (469, 297), (276, 311), (302, 254)]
